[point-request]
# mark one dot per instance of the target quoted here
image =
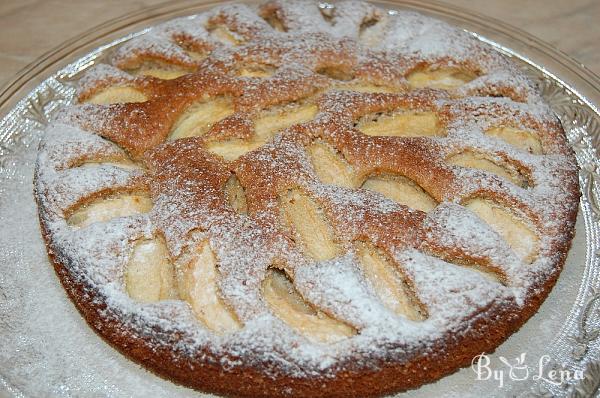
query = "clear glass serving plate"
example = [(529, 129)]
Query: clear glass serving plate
[(46, 349)]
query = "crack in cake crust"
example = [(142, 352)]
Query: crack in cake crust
[(356, 160)]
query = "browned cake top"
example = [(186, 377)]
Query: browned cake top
[(299, 187)]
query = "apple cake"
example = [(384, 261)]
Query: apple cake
[(306, 199)]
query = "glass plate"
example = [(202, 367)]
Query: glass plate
[(46, 349)]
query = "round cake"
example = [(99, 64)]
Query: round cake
[(306, 199)]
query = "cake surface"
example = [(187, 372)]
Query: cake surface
[(305, 199)]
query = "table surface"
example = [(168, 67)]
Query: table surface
[(29, 28)]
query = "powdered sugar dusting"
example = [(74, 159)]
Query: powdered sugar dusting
[(187, 182)]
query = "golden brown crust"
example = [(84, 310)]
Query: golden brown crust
[(321, 68), (458, 351)]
